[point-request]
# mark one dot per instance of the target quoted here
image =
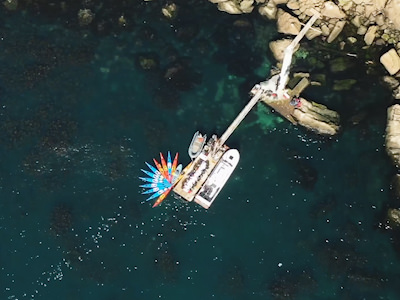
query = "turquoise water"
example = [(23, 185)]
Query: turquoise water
[(301, 217)]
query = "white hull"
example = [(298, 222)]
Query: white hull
[(217, 179), (196, 145)]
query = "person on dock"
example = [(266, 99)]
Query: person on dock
[(296, 102)]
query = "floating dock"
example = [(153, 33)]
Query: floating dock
[(206, 175), (197, 172)]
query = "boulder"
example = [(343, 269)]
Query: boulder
[(335, 31), (392, 12), (287, 24), (396, 185), (313, 32), (246, 6), (370, 34), (293, 5), (391, 82), (331, 10), (396, 93), (268, 10), (277, 2), (393, 134), (229, 7), (391, 61), (278, 47), (170, 11)]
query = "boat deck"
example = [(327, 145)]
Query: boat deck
[(196, 174)]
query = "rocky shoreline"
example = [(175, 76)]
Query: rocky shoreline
[(374, 23), (376, 20)]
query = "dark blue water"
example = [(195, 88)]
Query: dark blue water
[(299, 218)]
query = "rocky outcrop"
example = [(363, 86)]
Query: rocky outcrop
[(393, 216), (313, 116), (317, 117), (377, 20), (393, 133), (235, 6)]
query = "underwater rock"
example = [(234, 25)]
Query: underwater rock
[(326, 205), (357, 118), (343, 84), (61, 219), (36, 73), (366, 278), (59, 133), (167, 97), (122, 21), (11, 4), (181, 76), (393, 216), (396, 93), (307, 175), (233, 282), (146, 33), (290, 284), (391, 82), (186, 31), (396, 186), (17, 133), (147, 61), (170, 11), (85, 17), (168, 265), (339, 257), (340, 64), (392, 140)]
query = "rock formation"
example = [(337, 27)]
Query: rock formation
[(393, 133), (378, 21)]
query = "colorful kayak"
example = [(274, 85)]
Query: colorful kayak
[(161, 179)]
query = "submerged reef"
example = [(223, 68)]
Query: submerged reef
[(292, 284), (61, 219)]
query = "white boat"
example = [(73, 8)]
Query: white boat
[(197, 144), (217, 179)]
